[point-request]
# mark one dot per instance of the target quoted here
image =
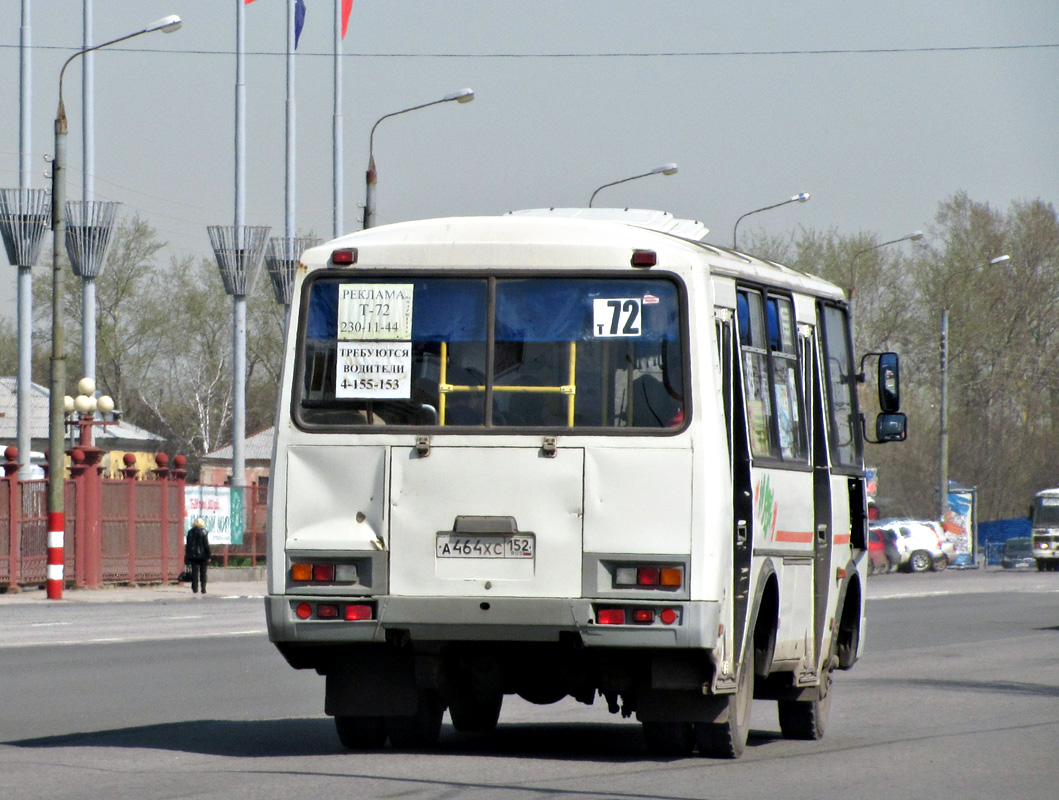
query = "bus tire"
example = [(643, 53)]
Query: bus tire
[(473, 714), (807, 719), (422, 728), (920, 561), (727, 738), (669, 739), (361, 733)]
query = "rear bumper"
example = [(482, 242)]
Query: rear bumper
[(502, 619)]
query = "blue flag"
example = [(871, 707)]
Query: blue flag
[(299, 20)]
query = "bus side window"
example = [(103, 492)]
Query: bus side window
[(843, 428), (786, 387), (775, 402), (753, 345)]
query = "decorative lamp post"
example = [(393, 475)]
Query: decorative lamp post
[(238, 250), (281, 261), (943, 413), (803, 197), (25, 215), (56, 510), (462, 96), (89, 226), (665, 169), (84, 466)]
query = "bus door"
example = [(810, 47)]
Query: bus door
[(739, 454), (822, 540)]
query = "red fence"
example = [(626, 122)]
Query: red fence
[(124, 530), (117, 531)]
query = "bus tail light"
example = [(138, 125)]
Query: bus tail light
[(327, 611), (358, 612), (345, 256), (611, 616), (643, 616), (324, 572), (666, 577)]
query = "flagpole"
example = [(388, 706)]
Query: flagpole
[(336, 125), (239, 303), (290, 174)]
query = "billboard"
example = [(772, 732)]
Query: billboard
[(961, 525), (222, 509)]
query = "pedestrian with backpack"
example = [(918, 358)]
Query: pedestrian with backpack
[(197, 554)]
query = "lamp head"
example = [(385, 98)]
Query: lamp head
[(1000, 259), (665, 169), (800, 198), (462, 96), (915, 236), (168, 24)]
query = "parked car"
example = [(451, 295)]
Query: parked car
[(1018, 554), (882, 552), (919, 544)]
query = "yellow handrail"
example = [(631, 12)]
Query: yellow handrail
[(569, 389)]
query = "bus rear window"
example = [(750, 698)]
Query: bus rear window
[(545, 352)]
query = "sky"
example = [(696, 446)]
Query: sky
[(880, 110)]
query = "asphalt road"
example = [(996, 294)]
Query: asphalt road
[(957, 696)]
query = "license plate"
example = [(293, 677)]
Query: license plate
[(484, 546)]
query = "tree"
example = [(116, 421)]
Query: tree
[(1003, 386), (164, 342)]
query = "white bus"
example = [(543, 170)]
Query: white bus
[(1044, 522), (552, 456)]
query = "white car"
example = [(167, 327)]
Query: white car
[(920, 545)]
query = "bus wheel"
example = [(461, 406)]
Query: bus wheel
[(807, 719), (361, 733), (473, 714), (669, 739), (920, 561), (421, 729), (727, 739)]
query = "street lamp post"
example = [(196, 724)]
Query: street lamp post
[(665, 169), (798, 198), (462, 96), (914, 236), (56, 417), (943, 414)]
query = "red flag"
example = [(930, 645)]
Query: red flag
[(347, 6)]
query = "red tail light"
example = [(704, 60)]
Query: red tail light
[(643, 616), (327, 611), (611, 616), (648, 576), (345, 256), (358, 612)]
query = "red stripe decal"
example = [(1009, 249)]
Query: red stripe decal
[(56, 521), (842, 538), (803, 537)]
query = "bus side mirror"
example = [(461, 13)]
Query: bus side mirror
[(890, 428), (889, 384)]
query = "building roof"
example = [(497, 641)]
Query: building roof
[(256, 448), (126, 432)]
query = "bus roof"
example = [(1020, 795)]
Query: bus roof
[(559, 238)]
